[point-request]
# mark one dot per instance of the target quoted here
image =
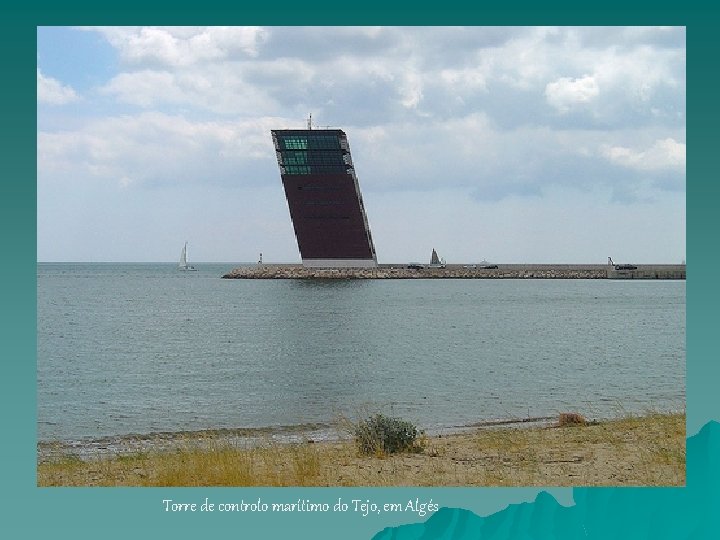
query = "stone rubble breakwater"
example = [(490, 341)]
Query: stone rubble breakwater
[(510, 271), (298, 272)]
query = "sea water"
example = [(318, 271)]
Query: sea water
[(142, 348)]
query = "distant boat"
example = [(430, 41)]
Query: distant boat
[(183, 264), (435, 261)]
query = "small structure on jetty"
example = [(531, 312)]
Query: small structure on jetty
[(645, 271)]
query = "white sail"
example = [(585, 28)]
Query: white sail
[(183, 264), (434, 259)]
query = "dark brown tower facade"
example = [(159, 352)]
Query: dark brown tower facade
[(324, 198)]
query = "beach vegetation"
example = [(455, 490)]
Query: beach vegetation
[(571, 419), (628, 451), (381, 435)]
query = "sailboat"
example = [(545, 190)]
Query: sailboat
[(183, 264), (435, 261)]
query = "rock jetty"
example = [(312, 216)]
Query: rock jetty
[(299, 272), (510, 271)]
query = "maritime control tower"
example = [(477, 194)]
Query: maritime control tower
[(324, 198)]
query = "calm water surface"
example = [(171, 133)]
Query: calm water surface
[(139, 348)]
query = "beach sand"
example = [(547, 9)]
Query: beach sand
[(640, 451)]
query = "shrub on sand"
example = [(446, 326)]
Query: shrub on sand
[(380, 434), (571, 419)]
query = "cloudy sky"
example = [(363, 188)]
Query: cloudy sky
[(547, 145)]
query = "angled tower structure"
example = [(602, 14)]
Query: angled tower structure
[(324, 198)]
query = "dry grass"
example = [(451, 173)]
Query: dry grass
[(648, 450)]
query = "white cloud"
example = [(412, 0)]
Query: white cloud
[(465, 81), (215, 89), (157, 148), (53, 92), (640, 71), (411, 90), (565, 93), (183, 46), (403, 71), (663, 154)]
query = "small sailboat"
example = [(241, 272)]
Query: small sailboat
[(183, 264), (435, 261)]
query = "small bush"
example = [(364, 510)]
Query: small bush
[(571, 419), (380, 434)]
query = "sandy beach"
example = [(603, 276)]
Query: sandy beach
[(646, 450)]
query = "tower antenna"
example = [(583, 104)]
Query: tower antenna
[(310, 121)]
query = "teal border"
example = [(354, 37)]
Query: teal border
[(27, 511)]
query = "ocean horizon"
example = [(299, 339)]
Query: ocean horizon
[(138, 348)]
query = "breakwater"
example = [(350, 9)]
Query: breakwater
[(501, 271)]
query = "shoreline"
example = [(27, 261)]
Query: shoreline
[(113, 446), (638, 451)]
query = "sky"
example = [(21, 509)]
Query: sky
[(503, 144)]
